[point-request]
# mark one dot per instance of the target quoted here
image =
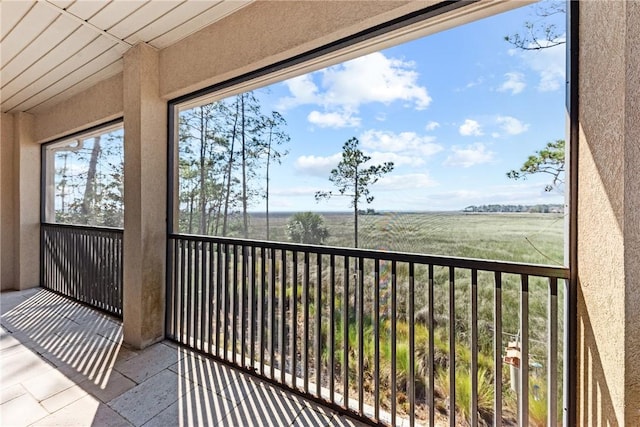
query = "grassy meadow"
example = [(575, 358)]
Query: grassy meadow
[(519, 237)]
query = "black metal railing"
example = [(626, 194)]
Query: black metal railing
[(84, 263), (390, 337)]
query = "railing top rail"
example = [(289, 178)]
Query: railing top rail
[(83, 227), (438, 260)]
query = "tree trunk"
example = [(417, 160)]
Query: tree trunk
[(245, 222), (355, 210), (90, 188), (229, 170), (203, 193), (267, 180)]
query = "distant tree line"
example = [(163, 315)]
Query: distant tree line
[(544, 208)]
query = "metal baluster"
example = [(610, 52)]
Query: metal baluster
[(474, 348), (497, 350), (432, 332), (524, 353), (412, 347), (552, 356), (452, 348)]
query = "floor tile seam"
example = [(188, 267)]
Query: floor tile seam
[(51, 395), (20, 395), (38, 403), (86, 393)]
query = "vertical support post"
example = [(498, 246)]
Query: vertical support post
[(145, 122)]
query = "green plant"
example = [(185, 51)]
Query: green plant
[(463, 391)]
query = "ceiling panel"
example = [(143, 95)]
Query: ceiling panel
[(110, 57), (219, 11), (115, 12), (35, 22), (61, 53), (168, 22), (86, 9), (58, 31), (82, 57), (52, 49), (61, 3), (12, 13), (142, 17)]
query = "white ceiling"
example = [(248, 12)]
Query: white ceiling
[(52, 49)]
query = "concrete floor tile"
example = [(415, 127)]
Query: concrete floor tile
[(148, 362), (148, 399), (47, 384), (7, 342), (11, 392), (86, 411), (62, 399), (21, 411), (22, 366), (199, 407), (310, 418), (109, 387)]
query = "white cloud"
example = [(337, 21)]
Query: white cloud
[(333, 119), (511, 125), (549, 64), (303, 91), (514, 83), (317, 165), (470, 128), (432, 126), (470, 155), (407, 143), (398, 182), (343, 88), (373, 78)]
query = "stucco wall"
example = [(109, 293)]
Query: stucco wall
[(98, 104), (608, 215), (7, 204), (632, 214)]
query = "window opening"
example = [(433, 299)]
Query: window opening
[(84, 178)]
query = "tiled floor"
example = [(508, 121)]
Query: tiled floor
[(63, 364)]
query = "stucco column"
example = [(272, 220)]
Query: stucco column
[(8, 258), (145, 126), (609, 214), (20, 204)]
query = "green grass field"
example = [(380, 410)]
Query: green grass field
[(520, 237)]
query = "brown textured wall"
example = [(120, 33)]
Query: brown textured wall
[(608, 215), (632, 214), (7, 204), (27, 209), (98, 104)]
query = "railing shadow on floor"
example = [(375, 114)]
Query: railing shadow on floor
[(85, 346)]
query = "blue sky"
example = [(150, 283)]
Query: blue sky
[(454, 111)]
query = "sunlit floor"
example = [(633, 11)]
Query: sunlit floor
[(63, 364)]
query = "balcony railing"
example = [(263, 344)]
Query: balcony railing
[(387, 337), (84, 263)]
